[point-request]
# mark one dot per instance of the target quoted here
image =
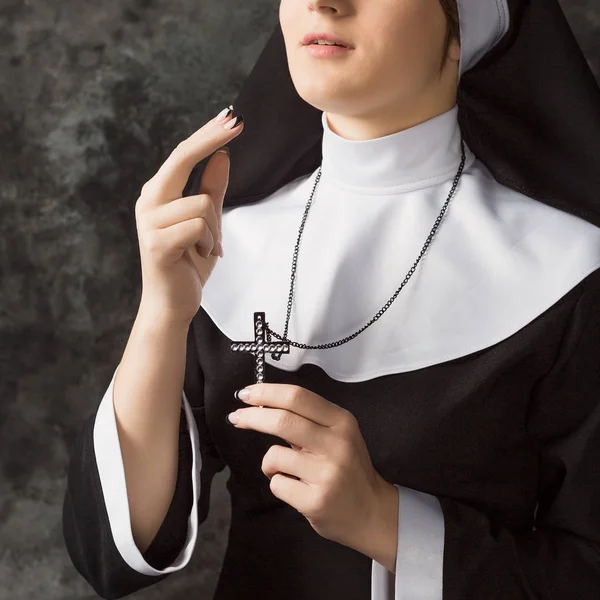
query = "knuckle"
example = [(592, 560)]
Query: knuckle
[(271, 458), (182, 151), (200, 224), (147, 189), (151, 242), (349, 422), (201, 227), (284, 421), (266, 461), (330, 473), (141, 212), (318, 503), (138, 209), (204, 202), (275, 452), (292, 396), (205, 206)]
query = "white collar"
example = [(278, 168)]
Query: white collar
[(410, 159), (498, 260)]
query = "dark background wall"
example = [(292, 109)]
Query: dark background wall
[(93, 95)]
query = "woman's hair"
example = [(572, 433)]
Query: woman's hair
[(453, 30)]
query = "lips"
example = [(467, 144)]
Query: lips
[(331, 44), (309, 38)]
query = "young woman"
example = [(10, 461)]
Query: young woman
[(408, 286)]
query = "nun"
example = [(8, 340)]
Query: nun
[(409, 295)]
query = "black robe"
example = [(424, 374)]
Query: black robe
[(507, 439)]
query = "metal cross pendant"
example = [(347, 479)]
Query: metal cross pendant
[(259, 347)]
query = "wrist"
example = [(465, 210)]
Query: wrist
[(151, 317), (381, 537)]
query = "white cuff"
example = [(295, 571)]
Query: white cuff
[(420, 554), (112, 479)]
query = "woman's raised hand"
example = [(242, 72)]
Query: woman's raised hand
[(179, 238)]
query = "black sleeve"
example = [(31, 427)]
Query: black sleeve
[(86, 526), (559, 559)]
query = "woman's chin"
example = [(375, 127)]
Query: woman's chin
[(324, 95)]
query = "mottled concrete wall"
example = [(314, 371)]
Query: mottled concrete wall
[(92, 97)]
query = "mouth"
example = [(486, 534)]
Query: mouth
[(325, 51), (326, 39)]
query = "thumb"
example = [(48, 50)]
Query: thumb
[(215, 179)]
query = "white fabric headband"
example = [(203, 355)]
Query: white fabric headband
[(483, 23)]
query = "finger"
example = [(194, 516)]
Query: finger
[(183, 209), (169, 181), (177, 238), (296, 399), (286, 425), (280, 459), (294, 492), (214, 182)]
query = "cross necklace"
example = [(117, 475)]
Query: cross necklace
[(258, 347)]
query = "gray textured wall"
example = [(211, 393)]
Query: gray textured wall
[(92, 97)]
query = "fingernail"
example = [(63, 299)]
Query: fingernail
[(220, 249), (234, 122), (224, 149), (233, 418), (224, 113), (241, 394)]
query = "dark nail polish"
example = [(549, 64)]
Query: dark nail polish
[(235, 121)]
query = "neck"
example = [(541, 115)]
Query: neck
[(392, 118)]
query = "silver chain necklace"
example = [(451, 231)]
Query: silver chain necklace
[(258, 347)]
